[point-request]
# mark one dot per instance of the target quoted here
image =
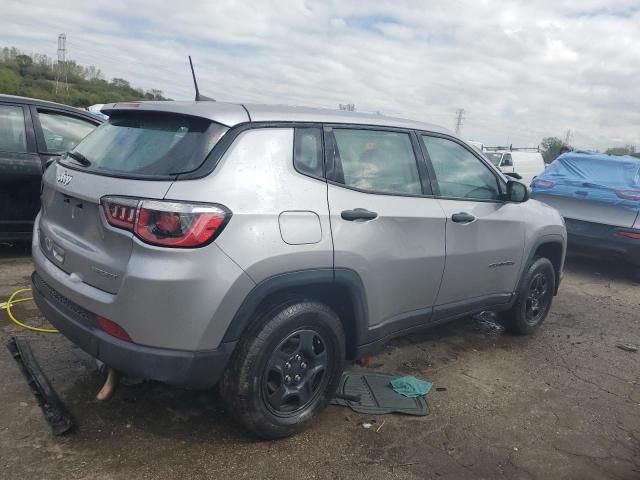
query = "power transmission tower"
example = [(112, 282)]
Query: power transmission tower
[(567, 137), (459, 120), (61, 67)]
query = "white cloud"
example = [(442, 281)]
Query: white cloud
[(522, 70)]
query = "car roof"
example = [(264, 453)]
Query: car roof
[(603, 157), (43, 103), (231, 114)]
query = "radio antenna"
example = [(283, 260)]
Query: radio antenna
[(195, 83)]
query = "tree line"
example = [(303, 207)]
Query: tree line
[(552, 147), (81, 86)]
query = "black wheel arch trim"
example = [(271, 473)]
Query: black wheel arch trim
[(552, 238), (343, 277)]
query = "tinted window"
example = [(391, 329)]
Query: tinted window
[(507, 161), (150, 144), (12, 132), (308, 151), (63, 132), (377, 161), (459, 173)]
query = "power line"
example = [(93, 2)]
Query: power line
[(459, 120)]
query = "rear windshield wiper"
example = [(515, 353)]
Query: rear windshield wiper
[(80, 158)]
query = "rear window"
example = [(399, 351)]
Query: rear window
[(149, 144)]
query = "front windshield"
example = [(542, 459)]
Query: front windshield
[(494, 157)]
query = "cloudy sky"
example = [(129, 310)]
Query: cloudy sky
[(522, 70)]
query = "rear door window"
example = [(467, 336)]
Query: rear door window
[(13, 136), (376, 161), (63, 132), (150, 144)]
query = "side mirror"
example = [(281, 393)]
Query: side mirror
[(517, 192)]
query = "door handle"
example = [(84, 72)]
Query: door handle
[(462, 217), (358, 214)]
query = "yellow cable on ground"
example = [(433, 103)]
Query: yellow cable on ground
[(11, 302)]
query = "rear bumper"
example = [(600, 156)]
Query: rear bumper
[(190, 369), (591, 237)]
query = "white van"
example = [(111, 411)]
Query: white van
[(527, 164), (478, 145)]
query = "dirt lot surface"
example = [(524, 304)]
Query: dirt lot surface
[(562, 404)]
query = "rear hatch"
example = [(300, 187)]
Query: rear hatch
[(592, 188), (135, 154)]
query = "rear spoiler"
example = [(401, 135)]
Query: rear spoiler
[(228, 114)]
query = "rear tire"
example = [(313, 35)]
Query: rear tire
[(534, 299), (285, 369)]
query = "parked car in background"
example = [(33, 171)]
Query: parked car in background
[(97, 111), (32, 132), (599, 197), (261, 246), (526, 164)]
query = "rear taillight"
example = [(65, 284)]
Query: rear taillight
[(178, 224), (543, 183), (113, 329), (633, 235), (629, 194), (165, 223), (120, 211)]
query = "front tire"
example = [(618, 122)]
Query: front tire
[(534, 299), (285, 369)]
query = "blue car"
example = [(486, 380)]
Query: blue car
[(599, 197)]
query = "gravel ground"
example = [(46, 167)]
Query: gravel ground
[(562, 404)]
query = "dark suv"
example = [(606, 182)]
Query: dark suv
[(32, 132)]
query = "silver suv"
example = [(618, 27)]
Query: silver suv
[(259, 247)]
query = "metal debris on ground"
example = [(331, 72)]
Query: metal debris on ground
[(55, 412), (627, 347)]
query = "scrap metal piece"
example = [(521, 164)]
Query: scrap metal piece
[(627, 347), (55, 412)]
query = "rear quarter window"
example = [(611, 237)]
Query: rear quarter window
[(307, 147)]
